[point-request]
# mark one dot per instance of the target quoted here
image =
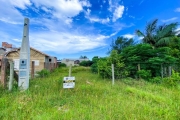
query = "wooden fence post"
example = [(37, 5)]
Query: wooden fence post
[(32, 70), (3, 71), (49, 66)]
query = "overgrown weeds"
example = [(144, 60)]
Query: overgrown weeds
[(92, 98)]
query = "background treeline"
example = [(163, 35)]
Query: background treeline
[(156, 57)]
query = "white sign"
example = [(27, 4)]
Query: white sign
[(69, 82)]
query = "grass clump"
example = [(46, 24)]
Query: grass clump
[(43, 73)]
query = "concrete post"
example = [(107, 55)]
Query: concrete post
[(112, 74), (70, 70), (24, 65), (11, 75)]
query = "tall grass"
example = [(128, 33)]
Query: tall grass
[(92, 98)]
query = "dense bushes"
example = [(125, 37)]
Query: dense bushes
[(102, 66), (43, 73), (144, 74), (86, 63), (62, 65)]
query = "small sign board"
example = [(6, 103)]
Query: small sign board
[(69, 82), (23, 63)]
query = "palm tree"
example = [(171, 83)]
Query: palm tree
[(150, 30), (164, 34), (158, 36)]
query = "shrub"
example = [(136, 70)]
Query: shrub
[(94, 68), (86, 63), (145, 74), (156, 80), (173, 80), (62, 65), (43, 73)]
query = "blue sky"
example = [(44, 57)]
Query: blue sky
[(71, 28)]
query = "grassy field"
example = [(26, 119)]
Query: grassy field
[(92, 98)]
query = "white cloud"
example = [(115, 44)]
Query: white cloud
[(60, 42), (131, 16), (95, 19), (116, 9), (169, 20), (141, 2), (54, 34), (177, 10), (103, 21), (9, 14), (87, 12), (20, 3), (110, 5), (46, 9), (178, 30), (129, 36), (63, 10), (118, 12)]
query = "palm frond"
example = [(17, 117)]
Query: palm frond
[(139, 33), (163, 42), (151, 27), (166, 30)]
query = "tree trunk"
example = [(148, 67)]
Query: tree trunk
[(170, 71), (161, 71), (165, 71), (139, 68)]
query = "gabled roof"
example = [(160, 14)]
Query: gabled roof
[(40, 52), (30, 48), (3, 48)]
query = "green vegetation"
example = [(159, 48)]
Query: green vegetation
[(157, 55), (92, 98), (153, 94), (62, 65), (86, 63), (43, 73)]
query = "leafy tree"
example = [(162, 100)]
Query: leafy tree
[(94, 68), (121, 43), (148, 58), (62, 65), (104, 66), (134, 55), (86, 63), (83, 57)]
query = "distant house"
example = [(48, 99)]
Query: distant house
[(41, 60), (3, 49), (73, 62)]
